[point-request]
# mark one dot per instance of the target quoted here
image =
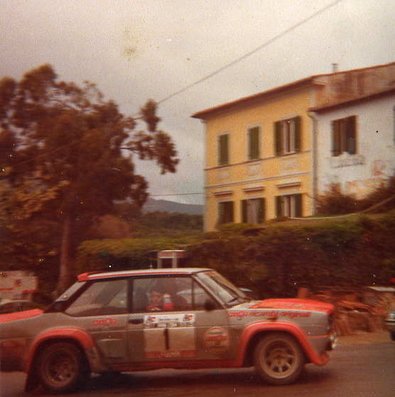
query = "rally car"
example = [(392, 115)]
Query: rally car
[(163, 318)]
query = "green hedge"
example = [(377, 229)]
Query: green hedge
[(280, 259), (116, 254), (276, 259)]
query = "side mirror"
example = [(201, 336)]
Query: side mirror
[(209, 305)]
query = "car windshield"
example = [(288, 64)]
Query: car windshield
[(228, 293)]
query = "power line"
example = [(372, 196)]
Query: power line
[(221, 69), (248, 54)]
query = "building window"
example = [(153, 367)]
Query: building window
[(287, 136), (223, 149), (344, 136), (253, 143), (253, 210), (289, 206), (225, 212)]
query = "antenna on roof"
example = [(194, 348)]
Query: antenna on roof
[(335, 67)]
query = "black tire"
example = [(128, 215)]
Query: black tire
[(62, 367), (392, 334), (278, 359)]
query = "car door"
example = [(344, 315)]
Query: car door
[(102, 310), (183, 330), (213, 335), (163, 330)]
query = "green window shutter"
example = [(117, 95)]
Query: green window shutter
[(223, 149), (298, 205), (250, 145), (278, 206), (336, 138), (244, 211), (298, 133), (253, 143), (277, 138), (257, 143), (219, 147), (351, 135)]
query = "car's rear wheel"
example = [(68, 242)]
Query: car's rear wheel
[(392, 335), (278, 359), (62, 367)]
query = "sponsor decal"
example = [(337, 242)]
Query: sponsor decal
[(104, 322), (169, 320), (169, 336), (270, 314), (216, 338)]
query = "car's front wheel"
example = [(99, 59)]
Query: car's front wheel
[(61, 367), (278, 359)]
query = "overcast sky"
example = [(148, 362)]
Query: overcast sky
[(135, 50)]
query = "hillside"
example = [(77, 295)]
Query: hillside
[(153, 205)]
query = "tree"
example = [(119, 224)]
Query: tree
[(63, 149)]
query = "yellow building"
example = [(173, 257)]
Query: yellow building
[(261, 150)]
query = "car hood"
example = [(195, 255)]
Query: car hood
[(293, 304), (8, 317)]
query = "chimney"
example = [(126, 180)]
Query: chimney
[(335, 67)]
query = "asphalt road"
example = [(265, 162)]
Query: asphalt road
[(356, 370)]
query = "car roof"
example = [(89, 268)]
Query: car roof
[(141, 272)]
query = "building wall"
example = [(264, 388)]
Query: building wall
[(267, 177), (375, 158)]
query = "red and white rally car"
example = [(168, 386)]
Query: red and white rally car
[(164, 318)]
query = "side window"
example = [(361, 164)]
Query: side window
[(156, 294), (200, 297), (101, 298), (164, 294)]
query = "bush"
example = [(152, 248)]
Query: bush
[(278, 261), (334, 202), (384, 196), (357, 251), (119, 254)]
